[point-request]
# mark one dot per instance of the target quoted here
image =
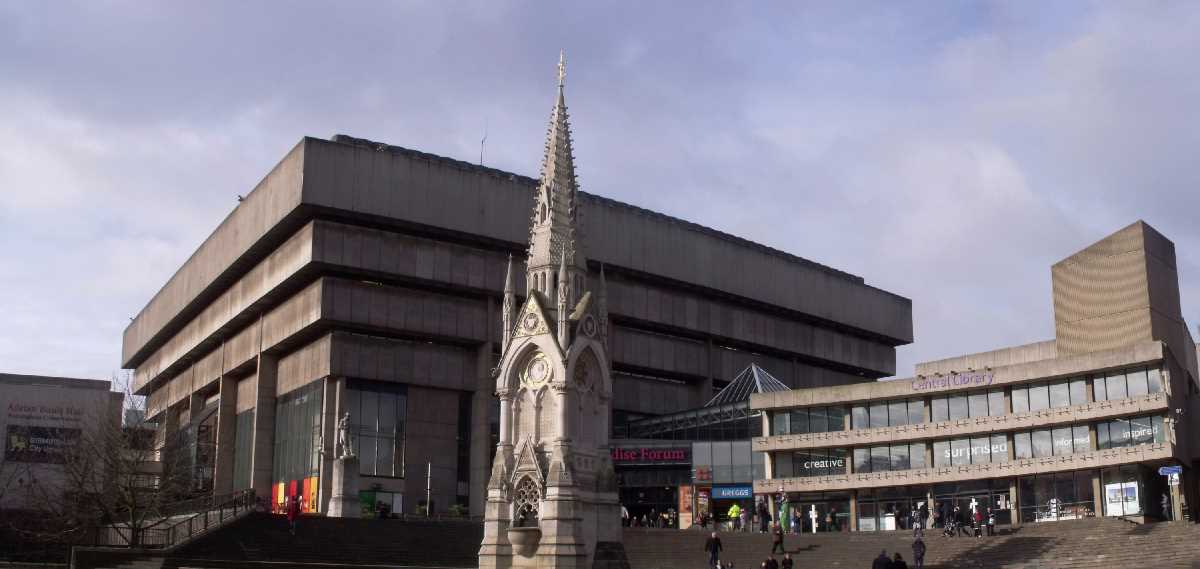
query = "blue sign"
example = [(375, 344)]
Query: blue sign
[(732, 492), (1169, 470)]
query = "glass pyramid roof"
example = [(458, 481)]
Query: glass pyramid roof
[(752, 380)]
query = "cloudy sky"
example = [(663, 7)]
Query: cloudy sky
[(946, 152)]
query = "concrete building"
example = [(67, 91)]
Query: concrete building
[(41, 417), (368, 278), (1073, 427)]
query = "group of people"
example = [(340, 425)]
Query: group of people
[(651, 519), (956, 521), (897, 561)]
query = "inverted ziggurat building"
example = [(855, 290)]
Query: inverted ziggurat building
[(1091, 423), (369, 279)]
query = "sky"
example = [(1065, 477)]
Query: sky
[(947, 152)]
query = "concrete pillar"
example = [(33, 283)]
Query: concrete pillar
[(846, 416), (926, 409), (854, 510), (1008, 409), (263, 444), (1176, 501), (481, 435), (1097, 494), (704, 389), (226, 436), (1014, 494), (333, 405)]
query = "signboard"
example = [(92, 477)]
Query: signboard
[(652, 455), (732, 492), (1121, 499), (1169, 470), (25, 443), (953, 381), (980, 450), (1173, 480), (822, 466)]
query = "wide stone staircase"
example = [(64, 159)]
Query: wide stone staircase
[(1094, 544)]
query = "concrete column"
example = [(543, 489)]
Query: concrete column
[(481, 436), (1176, 501), (263, 445), (927, 409), (1012, 451), (704, 389), (766, 422), (1014, 493), (854, 510), (1097, 494), (1008, 409), (846, 410), (226, 436), (333, 405)]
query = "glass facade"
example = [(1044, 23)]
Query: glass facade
[(802, 463), (808, 420), (893, 413), (297, 456), (903, 456), (1117, 433), (1057, 496), (377, 413), (243, 450), (1127, 383), (952, 407)]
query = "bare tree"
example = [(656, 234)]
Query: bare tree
[(115, 477)]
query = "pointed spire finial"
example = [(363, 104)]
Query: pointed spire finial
[(562, 67)]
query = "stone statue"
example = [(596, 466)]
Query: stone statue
[(344, 449)]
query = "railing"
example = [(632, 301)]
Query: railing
[(171, 531)]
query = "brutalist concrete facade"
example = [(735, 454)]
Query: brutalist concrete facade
[(1122, 353), (358, 263)]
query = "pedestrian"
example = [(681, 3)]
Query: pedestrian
[(293, 513), (918, 554), (624, 516), (882, 562), (653, 518), (772, 563), (743, 517), (829, 520), (1166, 507), (960, 520), (991, 522), (777, 539), (734, 516), (797, 522), (787, 561), (898, 562), (764, 516), (713, 546), (978, 522)]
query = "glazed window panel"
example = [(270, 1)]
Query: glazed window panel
[(862, 460), (941, 453), (818, 420), (881, 458), (940, 409), (783, 465), (1103, 440), (879, 415), (1023, 445), (897, 413), (1064, 440), (999, 448), (1039, 397), (1136, 383), (981, 450), (1160, 433), (916, 411), (1154, 380), (977, 404), (996, 406), (798, 421), (900, 457), (1141, 430), (1020, 399), (1043, 444), (1060, 394), (916, 455), (1099, 388), (958, 407), (1114, 385), (1082, 438), (960, 452), (781, 423), (859, 417), (837, 418), (1078, 391)]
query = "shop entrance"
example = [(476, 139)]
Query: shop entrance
[(969, 496), (889, 509), (826, 511)]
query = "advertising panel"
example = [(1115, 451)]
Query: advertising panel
[(44, 445), (735, 492), (652, 455)]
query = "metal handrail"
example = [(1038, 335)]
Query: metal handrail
[(168, 533)]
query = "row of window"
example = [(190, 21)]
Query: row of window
[(1058, 441), (377, 413), (990, 403)]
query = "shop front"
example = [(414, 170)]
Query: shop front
[(818, 511), (653, 481)]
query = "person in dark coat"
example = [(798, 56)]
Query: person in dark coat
[(713, 546), (898, 562), (882, 562), (777, 539), (772, 563), (918, 554), (787, 561), (960, 520)]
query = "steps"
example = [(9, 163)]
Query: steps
[(1094, 544)]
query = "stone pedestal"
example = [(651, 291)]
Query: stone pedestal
[(344, 503)]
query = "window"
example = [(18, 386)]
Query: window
[(999, 448), (940, 409), (900, 457), (958, 407), (783, 465), (1154, 380), (879, 415), (1043, 444), (243, 447), (837, 419), (916, 455), (298, 434), (916, 411), (960, 452), (1141, 430), (1103, 440), (781, 423), (862, 460), (881, 458), (1023, 445), (1098, 389), (996, 403), (1160, 434), (1060, 394), (1137, 383), (379, 411), (1063, 440), (1082, 439), (897, 413), (981, 450), (1039, 397), (859, 417), (941, 453), (798, 421), (1020, 399), (1114, 384), (1078, 391), (977, 404)]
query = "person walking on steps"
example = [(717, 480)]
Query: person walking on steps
[(772, 563), (777, 539), (713, 546), (293, 513), (918, 554), (787, 561), (978, 526), (882, 562), (991, 522), (898, 562)]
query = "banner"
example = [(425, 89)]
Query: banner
[(25, 443)]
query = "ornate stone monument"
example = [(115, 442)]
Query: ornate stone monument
[(552, 495), (344, 502)]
